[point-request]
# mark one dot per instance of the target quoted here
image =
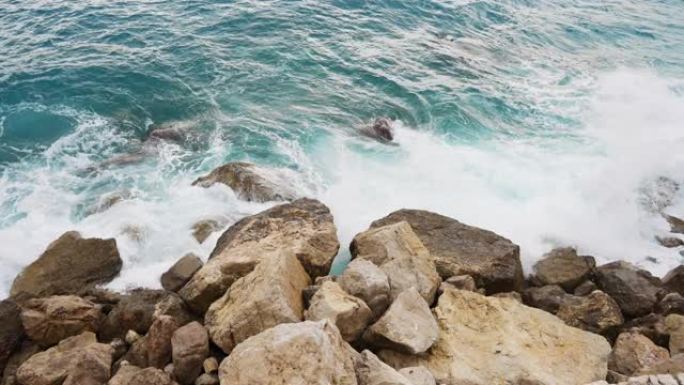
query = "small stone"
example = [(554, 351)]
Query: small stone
[(210, 365), (203, 229), (181, 272), (363, 279), (633, 352), (131, 337)]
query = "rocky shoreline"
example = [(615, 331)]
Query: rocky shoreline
[(425, 300)]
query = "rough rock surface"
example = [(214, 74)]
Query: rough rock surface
[(371, 371), (304, 228), (563, 267), (250, 182), (11, 330), (204, 228), (69, 265), (363, 279), (302, 353), (486, 340), (458, 249), (190, 345), (26, 350), (180, 273), (671, 303), (268, 296), (400, 254), (676, 224), (350, 314), (133, 312), (151, 376), (461, 282), (51, 319), (207, 379), (418, 375), (634, 352), (635, 291), (585, 288), (675, 327), (652, 326), (77, 360), (547, 298), (674, 280), (159, 341), (407, 326), (597, 313)]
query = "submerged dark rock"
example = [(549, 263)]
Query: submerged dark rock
[(380, 130)]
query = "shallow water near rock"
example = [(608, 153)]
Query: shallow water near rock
[(543, 121)]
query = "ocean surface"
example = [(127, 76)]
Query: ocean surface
[(551, 122)]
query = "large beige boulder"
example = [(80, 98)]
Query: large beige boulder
[(350, 314), (400, 254), (304, 228), (311, 353), (371, 371), (250, 182), (52, 319), (459, 249), (634, 352), (69, 265), (363, 279), (190, 345), (268, 296), (418, 375), (408, 325), (488, 340), (77, 360)]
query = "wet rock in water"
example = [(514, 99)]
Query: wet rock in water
[(158, 340), (418, 375), (270, 295), (371, 371), (363, 279), (350, 314), (585, 288), (401, 255), (597, 313), (563, 267), (22, 353), (635, 291), (671, 303), (670, 242), (407, 326), (203, 229), (676, 224), (76, 360), (190, 345), (547, 298), (11, 330), (634, 352), (173, 132), (674, 280), (250, 182), (51, 319), (180, 273), (304, 228), (459, 249), (486, 340), (380, 130), (297, 353), (69, 265), (675, 327)]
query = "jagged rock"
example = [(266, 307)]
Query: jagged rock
[(180, 273), (634, 352), (77, 360), (207, 379), (635, 291), (380, 130), (22, 353), (563, 267), (652, 326), (676, 224), (371, 371), (190, 345), (11, 330), (400, 254), (597, 313), (69, 265), (670, 242), (159, 341), (268, 296), (675, 327), (250, 182), (418, 375), (363, 279), (487, 340), (547, 298), (674, 280), (458, 249), (350, 314), (408, 325), (304, 228), (52, 319), (671, 303), (151, 376), (210, 365), (124, 375), (302, 353), (203, 229), (134, 311), (585, 288)]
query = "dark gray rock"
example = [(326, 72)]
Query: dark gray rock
[(563, 267), (635, 290), (11, 330), (547, 298), (180, 273)]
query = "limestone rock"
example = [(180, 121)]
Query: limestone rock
[(635, 291), (210, 365), (400, 254), (159, 341), (676, 224), (371, 371), (77, 360), (124, 375), (674, 280), (51, 319), (462, 282), (633, 352), (487, 340), (350, 314), (597, 313), (418, 375), (11, 330), (408, 325), (137, 353), (458, 249), (301, 353), (190, 345), (673, 365), (675, 326), (563, 267), (250, 182), (363, 279), (304, 228), (547, 298), (268, 296), (69, 265), (150, 376), (180, 273)]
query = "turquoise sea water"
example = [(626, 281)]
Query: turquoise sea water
[(546, 121)]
